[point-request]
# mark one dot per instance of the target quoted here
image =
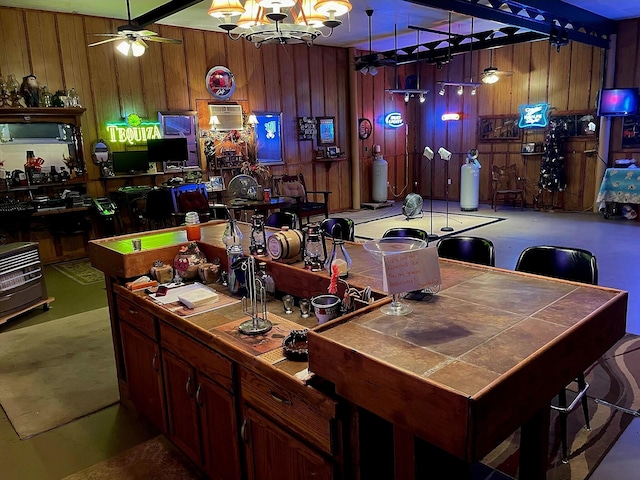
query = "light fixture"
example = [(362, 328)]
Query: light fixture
[(422, 98), (213, 122), (262, 21), (473, 90), (459, 87), (130, 46), (373, 71), (444, 154), (460, 90), (406, 97), (252, 120), (490, 75), (442, 91)]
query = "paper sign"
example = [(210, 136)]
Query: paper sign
[(409, 271)]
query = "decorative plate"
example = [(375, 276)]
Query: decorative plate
[(364, 128), (220, 82)]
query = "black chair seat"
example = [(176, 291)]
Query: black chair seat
[(468, 249), (407, 232), (343, 228)]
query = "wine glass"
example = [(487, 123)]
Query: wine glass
[(381, 247)]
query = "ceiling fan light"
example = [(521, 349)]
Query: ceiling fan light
[(223, 8), (124, 47), (364, 70), (330, 8), (138, 48), (373, 71), (490, 76)]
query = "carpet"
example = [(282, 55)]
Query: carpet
[(459, 222), (155, 459), (54, 372), (81, 271), (614, 397)]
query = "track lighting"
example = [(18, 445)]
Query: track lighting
[(422, 98), (473, 90), (442, 91), (406, 97), (460, 90)]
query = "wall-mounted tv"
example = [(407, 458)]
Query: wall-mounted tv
[(168, 150), (130, 163), (617, 102)]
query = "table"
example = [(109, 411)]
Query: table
[(619, 185), (485, 356), (260, 206)]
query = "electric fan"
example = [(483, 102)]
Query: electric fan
[(242, 186), (412, 206)]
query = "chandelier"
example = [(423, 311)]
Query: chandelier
[(262, 21)]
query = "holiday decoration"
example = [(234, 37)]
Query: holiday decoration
[(552, 174)]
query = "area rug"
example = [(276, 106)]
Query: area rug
[(81, 271), (154, 459), (614, 397), (54, 372), (459, 222)]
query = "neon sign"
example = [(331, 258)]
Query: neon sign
[(394, 120), (133, 131), (533, 116), (450, 116)]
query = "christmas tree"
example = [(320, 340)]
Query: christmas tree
[(552, 174)]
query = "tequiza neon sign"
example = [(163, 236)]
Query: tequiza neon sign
[(394, 120)]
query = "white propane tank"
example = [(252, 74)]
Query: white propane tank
[(470, 182), (380, 177)]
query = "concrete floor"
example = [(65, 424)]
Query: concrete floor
[(73, 447)]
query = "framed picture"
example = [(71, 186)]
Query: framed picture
[(364, 128), (268, 132), (217, 184), (498, 128), (326, 130), (332, 152)]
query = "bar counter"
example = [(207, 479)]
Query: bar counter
[(484, 356)]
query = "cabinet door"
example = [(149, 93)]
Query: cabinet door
[(220, 440), (142, 366), (180, 383), (273, 454)]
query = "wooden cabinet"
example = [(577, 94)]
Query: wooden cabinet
[(201, 406), (290, 425), (142, 366), (274, 454)]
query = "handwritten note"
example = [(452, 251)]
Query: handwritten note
[(409, 271)]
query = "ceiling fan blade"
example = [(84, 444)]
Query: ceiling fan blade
[(162, 40), (145, 33), (105, 34), (118, 37)]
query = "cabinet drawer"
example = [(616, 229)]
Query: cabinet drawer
[(204, 359), (136, 317), (288, 410)]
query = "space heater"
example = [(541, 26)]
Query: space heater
[(21, 277)]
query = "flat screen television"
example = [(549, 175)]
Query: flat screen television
[(130, 163), (168, 150), (617, 102)]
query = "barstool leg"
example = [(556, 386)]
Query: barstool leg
[(562, 402)]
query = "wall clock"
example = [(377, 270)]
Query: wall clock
[(220, 82), (364, 128)]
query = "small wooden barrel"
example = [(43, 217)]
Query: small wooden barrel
[(285, 244)]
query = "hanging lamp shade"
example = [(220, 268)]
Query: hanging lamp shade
[(276, 3), (225, 8), (251, 16), (331, 8), (309, 15)]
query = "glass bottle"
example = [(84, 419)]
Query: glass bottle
[(267, 280), (46, 99), (339, 257), (192, 223), (232, 234)]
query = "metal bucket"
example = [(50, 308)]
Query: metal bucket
[(326, 307)]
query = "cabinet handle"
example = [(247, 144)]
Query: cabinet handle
[(243, 431), (154, 362), (132, 311), (198, 396), (188, 387), (279, 399)]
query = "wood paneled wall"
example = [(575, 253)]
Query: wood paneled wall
[(302, 81), (568, 80), (294, 79)]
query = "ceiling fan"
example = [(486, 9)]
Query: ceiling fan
[(132, 37), (370, 62), (491, 74)]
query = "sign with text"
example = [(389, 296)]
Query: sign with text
[(411, 270)]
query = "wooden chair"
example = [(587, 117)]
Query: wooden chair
[(506, 183), (191, 198), (468, 249), (573, 264), (155, 210), (293, 186)]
